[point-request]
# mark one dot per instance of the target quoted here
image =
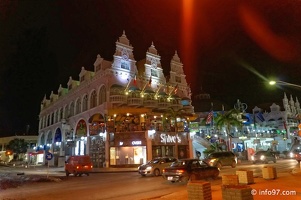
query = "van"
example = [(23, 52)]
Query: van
[(78, 165)]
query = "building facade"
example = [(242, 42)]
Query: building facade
[(122, 113), (276, 128)]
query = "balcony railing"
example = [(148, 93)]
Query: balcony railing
[(134, 101), (150, 103), (118, 99), (164, 105)]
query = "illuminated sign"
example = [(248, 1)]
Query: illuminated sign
[(166, 138), (136, 142)]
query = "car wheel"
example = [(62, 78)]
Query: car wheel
[(75, 173), (219, 165), (156, 172), (233, 164), (80, 174), (143, 175), (274, 161), (87, 174), (67, 173)]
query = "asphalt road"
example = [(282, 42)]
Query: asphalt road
[(119, 186)]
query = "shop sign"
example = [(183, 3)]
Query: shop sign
[(170, 138), (130, 143), (136, 142), (166, 138)]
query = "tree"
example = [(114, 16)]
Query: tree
[(173, 114), (17, 146), (228, 120)]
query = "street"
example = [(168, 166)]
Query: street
[(121, 185)]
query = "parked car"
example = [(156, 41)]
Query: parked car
[(182, 170), (263, 157), (155, 166), (78, 165), (220, 159)]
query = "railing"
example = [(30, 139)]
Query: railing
[(134, 101), (202, 141), (118, 99), (150, 103)]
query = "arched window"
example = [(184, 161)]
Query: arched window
[(61, 114), (48, 120), (102, 95), (78, 106), (71, 109), (57, 116), (93, 99), (85, 103)]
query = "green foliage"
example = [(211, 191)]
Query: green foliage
[(228, 119), (18, 146)]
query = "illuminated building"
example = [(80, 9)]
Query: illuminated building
[(119, 112)]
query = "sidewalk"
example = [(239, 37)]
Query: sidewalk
[(263, 189)]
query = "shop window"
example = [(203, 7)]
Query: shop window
[(127, 155)]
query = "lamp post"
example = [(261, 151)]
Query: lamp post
[(284, 83)]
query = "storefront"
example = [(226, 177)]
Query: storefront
[(81, 138), (170, 144), (97, 144), (127, 148)]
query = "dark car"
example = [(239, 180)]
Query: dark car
[(155, 166), (220, 159), (182, 170), (263, 157)]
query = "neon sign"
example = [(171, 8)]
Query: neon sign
[(136, 142), (166, 138)]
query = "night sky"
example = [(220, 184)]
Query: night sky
[(229, 48)]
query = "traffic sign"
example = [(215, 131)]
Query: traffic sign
[(49, 156)]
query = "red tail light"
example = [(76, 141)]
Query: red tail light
[(163, 170), (180, 171)]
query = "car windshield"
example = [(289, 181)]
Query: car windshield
[(179, 163)]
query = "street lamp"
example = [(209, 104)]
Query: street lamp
[(284, 83)]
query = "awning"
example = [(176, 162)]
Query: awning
[(36, 152)]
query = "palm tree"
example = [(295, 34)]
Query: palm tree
[(173, 114), (228, 120)]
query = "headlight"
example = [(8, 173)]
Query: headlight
[(262, 157), (291, 155), (252, 157), (149, 168), (212, 161)]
